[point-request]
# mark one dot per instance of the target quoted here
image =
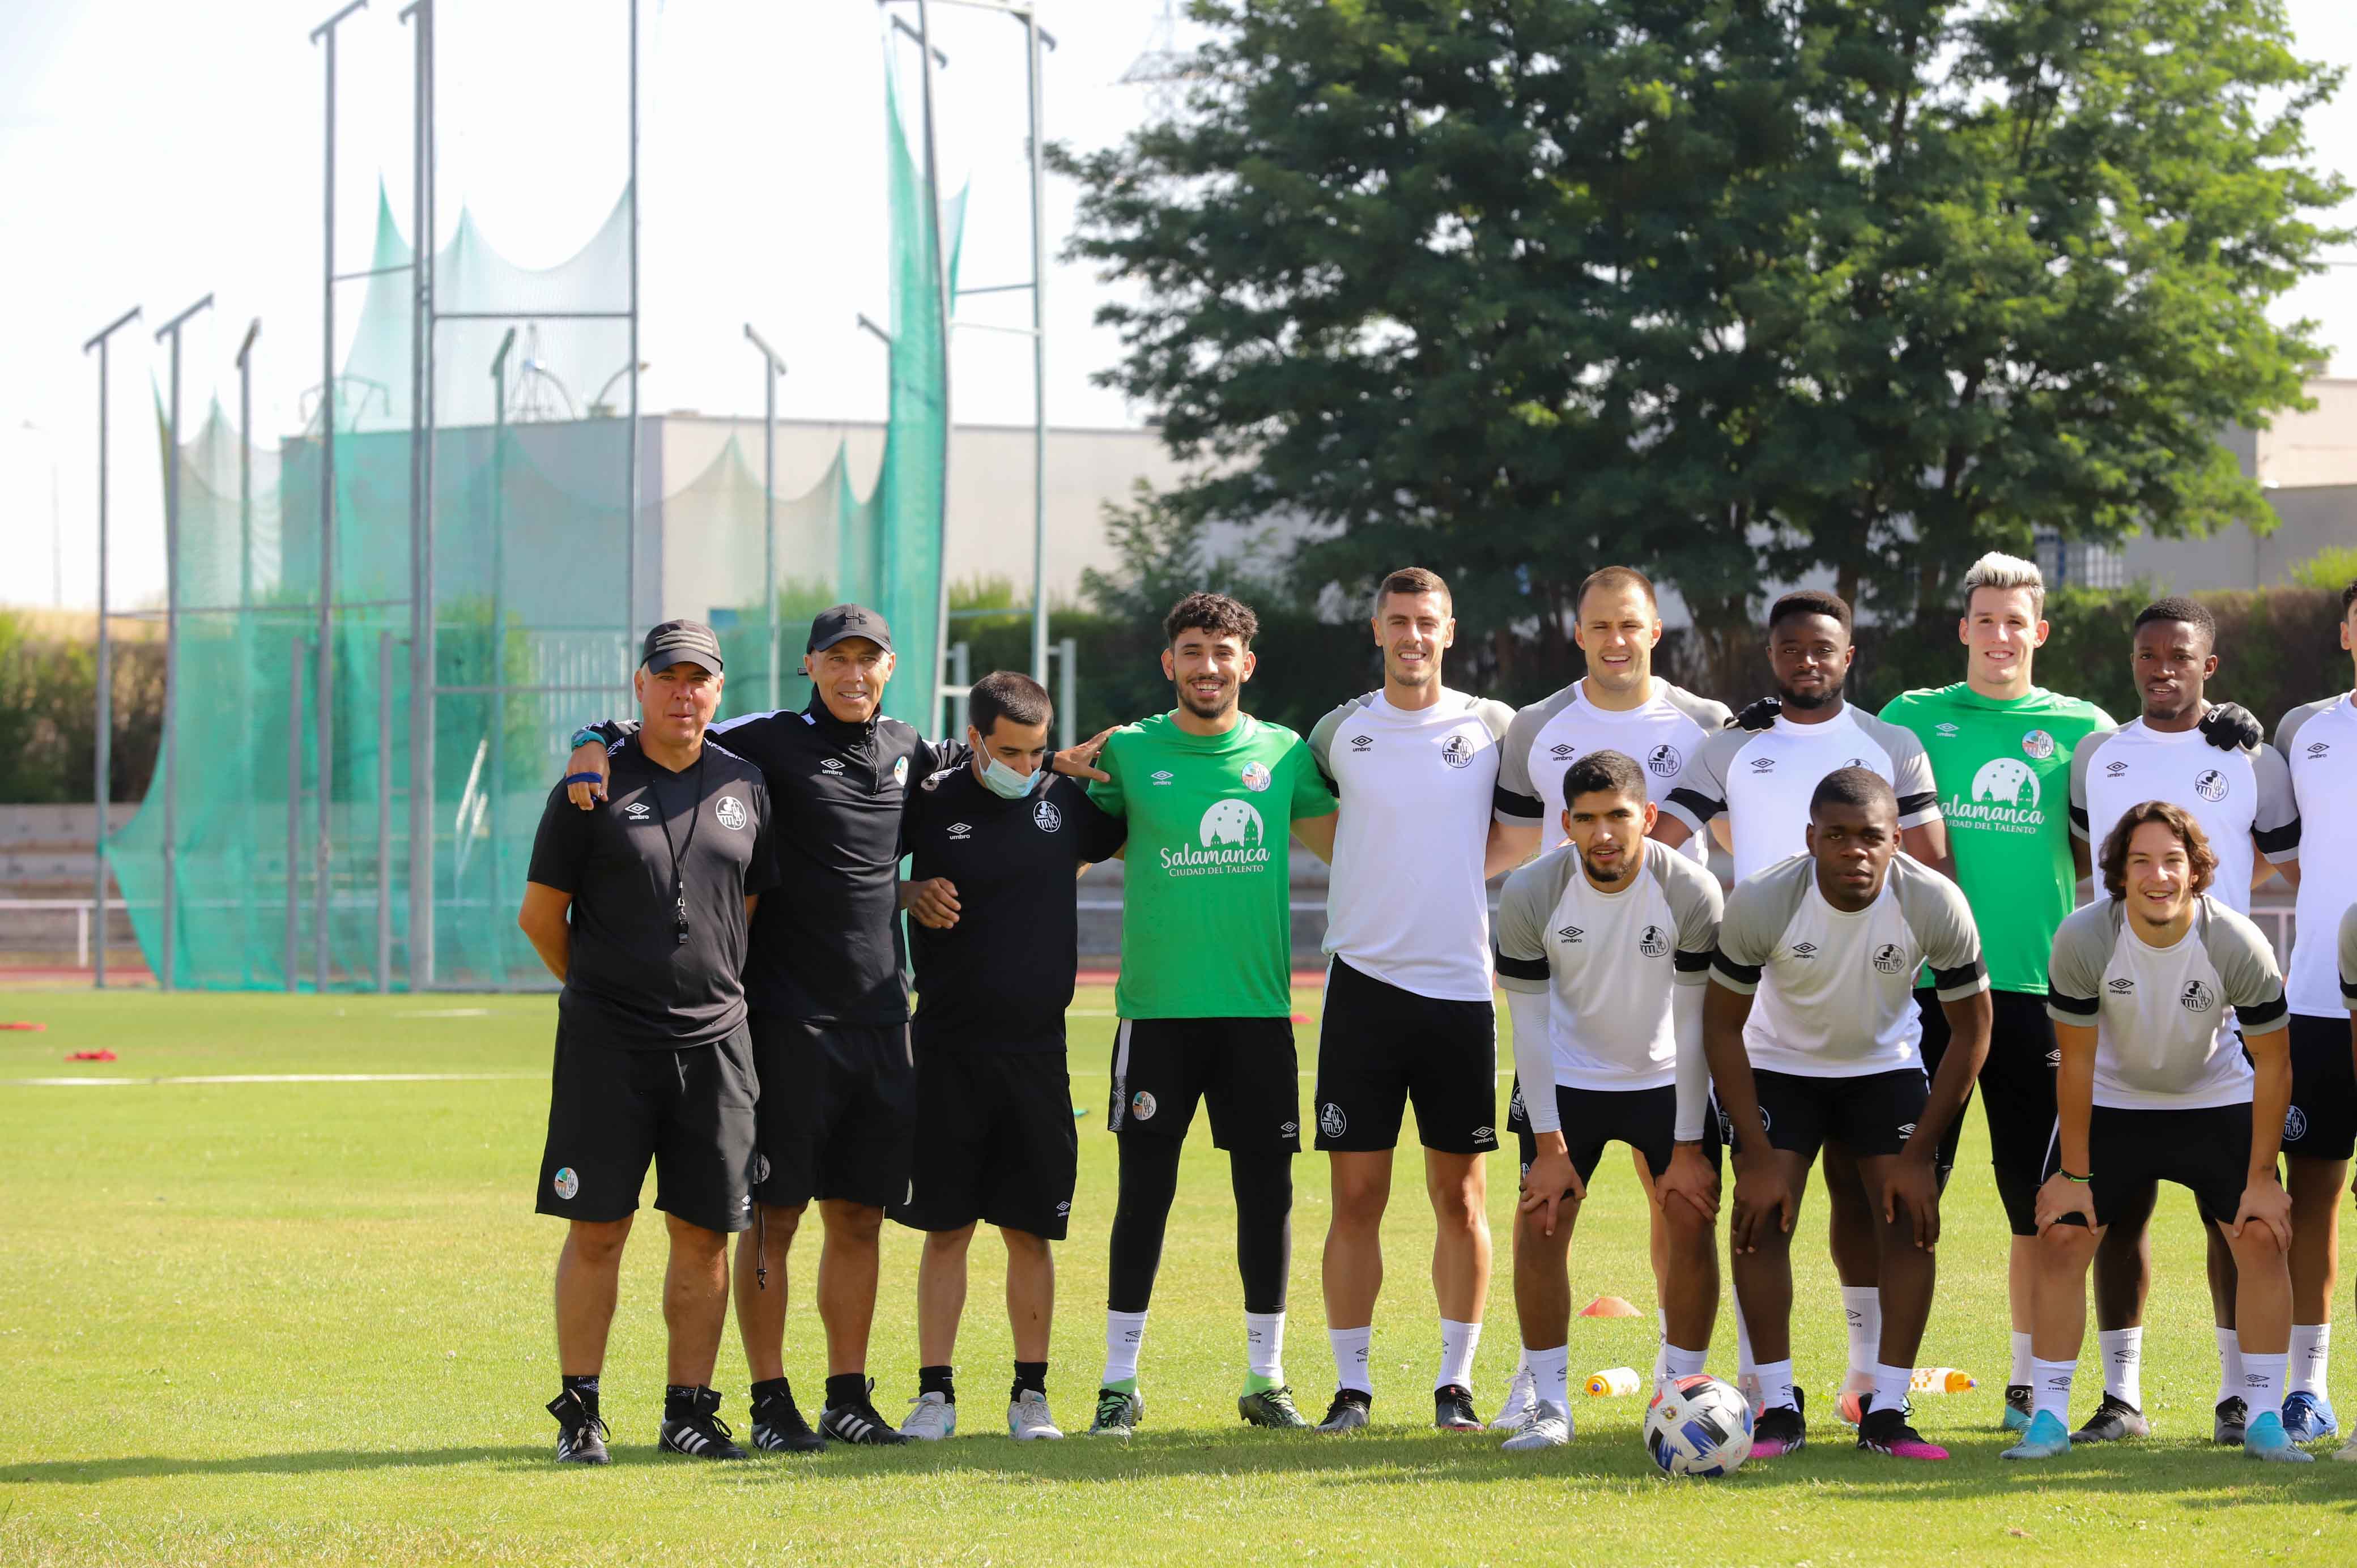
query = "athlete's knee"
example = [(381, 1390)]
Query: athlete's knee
[(1360, 1194), (777, 1224), (1024, 1244), (948, 1244), (856, 1223), (599, 1242), (693, 1240), (2067, 1246)]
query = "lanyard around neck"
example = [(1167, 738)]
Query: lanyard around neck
[(680, 851)]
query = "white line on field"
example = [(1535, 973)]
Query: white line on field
[(446, 1013), (275, 1078)]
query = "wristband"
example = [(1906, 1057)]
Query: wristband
[(585, 736), (571, 778), (2081, 1180)]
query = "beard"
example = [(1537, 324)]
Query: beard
[(1810, 701), (1218, 706), (1605, 873)]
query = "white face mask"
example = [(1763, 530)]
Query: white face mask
[(1007, 784)]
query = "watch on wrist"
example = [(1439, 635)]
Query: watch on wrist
[(586, 735)]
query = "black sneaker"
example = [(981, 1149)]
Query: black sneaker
[(1780, 1430), (1452, 1409), (2232, 1417), (691, 1425), (1886, 1432), (1271, 1407), (2114, 1421), (779, 1427), (1348, 1413), (860, 1424), (581, 1432)]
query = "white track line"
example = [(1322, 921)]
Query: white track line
[(275, 1077)]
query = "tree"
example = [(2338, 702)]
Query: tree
[(1731, 289)]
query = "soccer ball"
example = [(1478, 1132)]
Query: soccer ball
[(1698, 1427)]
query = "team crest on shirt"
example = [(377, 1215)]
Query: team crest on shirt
[(2295, 1125), (1514, 1111), (1141, 1105), (1256, 776), (2038, 744), (565, 1183), (900, 772), (1457, 751), (2210, 785), (1664, 762), (1653, 941), (1331, 1122), (730, 812), (2196, 997), (1888, 958), (1047, 817)]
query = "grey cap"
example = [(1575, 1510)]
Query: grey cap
[(681, 642), (833, 626)]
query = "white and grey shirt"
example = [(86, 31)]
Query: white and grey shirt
[(2241, 798), (1762, 779), (1662, 736), (1608, 963), (2348, 957), (2165, 1018), (2318, 743), (1406, 902), (1836, 989)]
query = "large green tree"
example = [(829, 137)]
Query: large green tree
[(1735, 289)]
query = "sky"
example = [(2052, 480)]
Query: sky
[(154, 151)]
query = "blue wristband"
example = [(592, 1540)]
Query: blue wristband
[(585, 778)]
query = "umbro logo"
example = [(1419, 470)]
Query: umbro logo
[(2114, 769), (2121, 986), (1804, 950), (1481, 1133), (637, 812), (1361, 742), (1945, 732), (2318, 747), (960, 830), (1907, 1129), (1562, 752), (1764, 765), (832, 764), (1571, 934), (1163, 776)]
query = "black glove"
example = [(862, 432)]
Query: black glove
[(1761, 715), (2230, 727)]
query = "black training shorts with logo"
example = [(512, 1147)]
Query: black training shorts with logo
[(2206, 1150), (2017, 1095), (995, 1142), (2322, 1121), (1644, 1119), (1873, 1113), (1380, 1046), (838, 1111), (689, 1111), (1242, 1070)]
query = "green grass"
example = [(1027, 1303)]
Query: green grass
[(309, 1323)]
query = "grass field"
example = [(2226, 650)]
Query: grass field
[(309, 1322)]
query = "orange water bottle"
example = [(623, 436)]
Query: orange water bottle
[(1613, 1380), (1940, 1380)]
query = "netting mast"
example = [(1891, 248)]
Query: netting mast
[(104, 762)]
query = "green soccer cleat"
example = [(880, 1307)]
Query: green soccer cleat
[(1119, 1411), (1271, 1407), (2046, 1438)]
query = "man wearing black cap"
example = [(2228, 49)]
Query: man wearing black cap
[(825, 981), (653, 898)]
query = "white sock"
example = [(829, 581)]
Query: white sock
[(1890, 1386), (1457, 1343), (1677, 1363), (2230, 1366), (1551, 1374), (1864, 1305), (1776, 1384), (1660, 1345), (2049, 1388), (1264, 1345), (2124, 1363), (2312, 1358), (2021, 1360), (1522, 1360), (1125, 1332), (1745, 1364), (1351, 1350), (2262, 1382)]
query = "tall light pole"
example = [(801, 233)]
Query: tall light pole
[(104, 762), (495, 676), (772, 368), (245, 572), (172, 651)]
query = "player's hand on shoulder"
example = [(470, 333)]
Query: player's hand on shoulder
[(933, 902), (1761, 715), (2230, 727), (588, 757), (1080, 761)]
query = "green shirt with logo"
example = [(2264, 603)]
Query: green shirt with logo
[(2003, 770), (1207, 889)]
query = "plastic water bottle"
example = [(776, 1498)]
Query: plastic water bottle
[(1940, 1380), (1613, 1380)]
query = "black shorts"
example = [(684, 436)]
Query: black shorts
[(2322, 1121), (691, 1112), (1380, 1046), (995, 1142), (1873, 1113), (1242, 1069), (838, 1111), (2207, 1151), (2016, 1094), (1644, 1119)]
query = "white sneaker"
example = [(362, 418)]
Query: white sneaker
[(1548, 1426), (930, 1418), (1028, 1418), (2347, 1452), (1521, 1397)]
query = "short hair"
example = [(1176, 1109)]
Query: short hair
[(1412, 580), (2348, 598), (1809, 602), (1215, 613), (1859, 786), (1603, 773), (1615, 578), (2113, 861), (2006, 573), (2193, 612), (1007, 693)]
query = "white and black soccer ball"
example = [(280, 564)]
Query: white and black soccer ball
[(1698, 1425)]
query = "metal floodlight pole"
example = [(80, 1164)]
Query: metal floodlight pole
[(172, 649), (630, 476), (772, 368), (245, 464), (496, 675), (941, 296), (102, 764), (1031, 62), (419, 14)]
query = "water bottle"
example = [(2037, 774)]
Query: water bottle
[(1940, 1380), (1613, 1380)]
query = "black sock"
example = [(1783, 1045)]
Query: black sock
[(587, 1388), (847, 1388), (937, 1381), (772, 1389), (1031, 1375), (679, 1398)]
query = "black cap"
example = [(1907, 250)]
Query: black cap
[(681, 642), (833, 626)]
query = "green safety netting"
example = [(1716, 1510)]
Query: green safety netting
[(533, 613)]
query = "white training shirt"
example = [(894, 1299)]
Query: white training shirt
[(1835, 990), (1762, 779), (2348, 957), (1662, 736), (1406, 901), (2165, 1018), (2318, 745), (2241, 798), (1608, 963)]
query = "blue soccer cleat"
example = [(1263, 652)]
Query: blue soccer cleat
[(2264, 1437), (2309, 1416), (2046, 1439)]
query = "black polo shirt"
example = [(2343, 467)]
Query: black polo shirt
[(632, 983), (1000, 979)]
